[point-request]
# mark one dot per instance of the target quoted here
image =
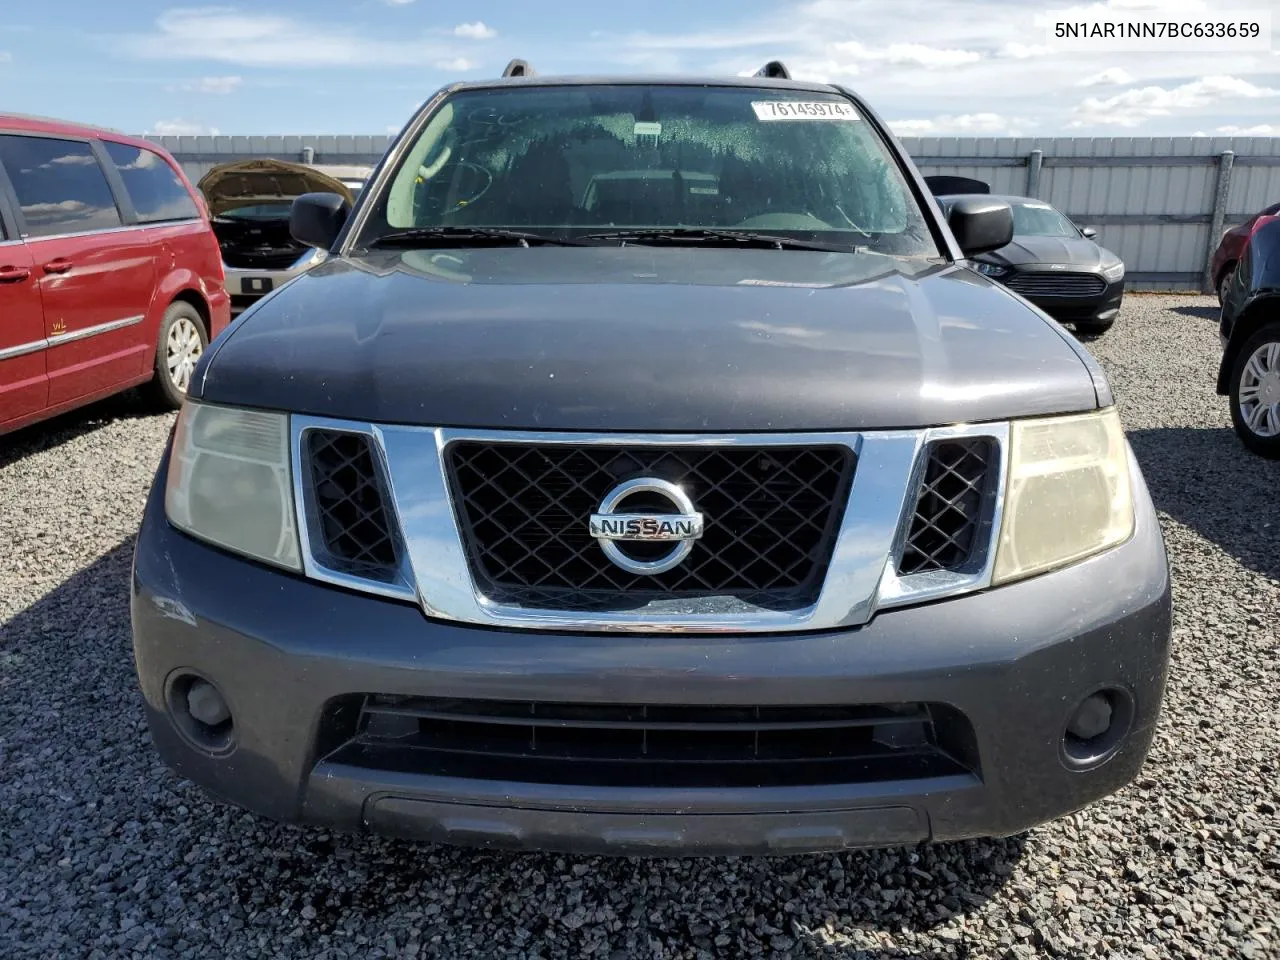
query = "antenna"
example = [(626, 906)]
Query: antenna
[(776, 69), (518, 68)]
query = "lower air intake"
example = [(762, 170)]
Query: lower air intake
[(655, 745)]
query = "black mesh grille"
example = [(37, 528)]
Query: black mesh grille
[(770, 516), (1052, 284), (653, 745), (951, 506), (352, 517)]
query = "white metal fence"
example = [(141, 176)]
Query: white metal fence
[(1161, 203)]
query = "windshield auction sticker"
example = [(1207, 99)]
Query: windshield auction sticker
[(803, 110)]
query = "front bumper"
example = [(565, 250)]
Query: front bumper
[(1098, 308), (1014, 661)]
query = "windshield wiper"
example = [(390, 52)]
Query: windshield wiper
[(718, 238), (466, 237)]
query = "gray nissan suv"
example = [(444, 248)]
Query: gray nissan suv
[(645, 471)]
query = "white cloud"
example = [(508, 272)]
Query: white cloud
[(727, 40), (273, 40), (216, 85), (180, 128), (907, 54), (1133, 107), (966, 124), (1111, 77), (144, 160), (5, 56), (399, 3), (72, 160), (819, 71), (1025, 51), (1258, 130), (457, 63), (1123, 7), (475, 31)]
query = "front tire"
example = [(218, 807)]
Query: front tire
[(1224, 284), (1254, 392), (181, 341)]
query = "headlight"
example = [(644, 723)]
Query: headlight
[(1113, 272), (991, 269), (229, 482), (1067, 494)]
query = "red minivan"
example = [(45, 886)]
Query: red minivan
[(110, 274)]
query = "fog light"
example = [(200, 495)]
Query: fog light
[(206, 704), (1092, 718), (200, 713), (1097, 728)]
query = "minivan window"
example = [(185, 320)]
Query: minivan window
[(584, 159), (60, 186), (154, 188)]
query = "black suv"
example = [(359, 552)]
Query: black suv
[(644, 471)]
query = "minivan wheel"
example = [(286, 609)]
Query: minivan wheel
[(1224, 284), (181, 341), (1255, 392)]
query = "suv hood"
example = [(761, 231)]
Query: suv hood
[(649, 339), (231, 185)]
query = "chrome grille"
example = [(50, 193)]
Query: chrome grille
[(771, 517), (1032, 284), (350, 512), (950, 507)]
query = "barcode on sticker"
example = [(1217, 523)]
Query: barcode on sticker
[(803, 110)]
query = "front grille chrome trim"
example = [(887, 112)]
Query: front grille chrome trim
[(313, 564), (897, 590), (860, 577)]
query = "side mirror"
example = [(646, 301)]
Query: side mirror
[(1088, 232), (980, 226), (316, 219)]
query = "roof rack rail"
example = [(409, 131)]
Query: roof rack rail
[(776, 69), (518, 68)]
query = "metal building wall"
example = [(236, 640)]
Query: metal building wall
[(198, 154), (1155, 201)]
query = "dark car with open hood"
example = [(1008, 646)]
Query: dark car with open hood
[(645, 471), (1056, 265), (250, 202)]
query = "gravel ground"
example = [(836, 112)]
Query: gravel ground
[(104, 853)]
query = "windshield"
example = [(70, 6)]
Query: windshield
[(588, 160), (1040, 220), (260, 211)]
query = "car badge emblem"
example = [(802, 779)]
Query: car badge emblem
[(1057, 266), (681, 527)]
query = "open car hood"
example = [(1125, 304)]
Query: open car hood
[(245, 182)]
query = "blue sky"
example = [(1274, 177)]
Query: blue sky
[(930, 67)]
